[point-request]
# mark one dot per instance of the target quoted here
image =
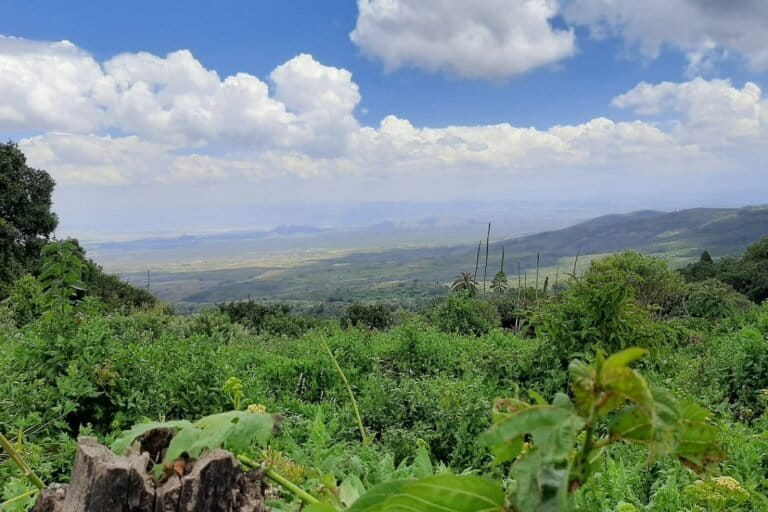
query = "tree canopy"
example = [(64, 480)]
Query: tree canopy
[(26, 219)]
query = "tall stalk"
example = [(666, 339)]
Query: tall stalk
[(349, 390), (537, 274), (477, 260), (15, 457), (487, 240), (281, 480), (575, 262)]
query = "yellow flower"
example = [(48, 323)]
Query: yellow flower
[(730, 483), (256, 408)]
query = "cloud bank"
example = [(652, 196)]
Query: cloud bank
[(143, 119)]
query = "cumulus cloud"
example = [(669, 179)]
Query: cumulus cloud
[(171, 99), (488, 39), (146, 119), (709, 112), (705, 30)]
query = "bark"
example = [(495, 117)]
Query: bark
[(103, 482)]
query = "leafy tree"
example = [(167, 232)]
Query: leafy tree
[(267, 318), (748, 275), (713, 299), (462, 313), (370, 316), (655, 285), (597, 310), (26, 219)]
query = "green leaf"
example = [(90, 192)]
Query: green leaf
[(122, 443), (233, 431), (350, 490), (78, 285), (319, 507), (625, 357), (528, 421), (699, 442), (445, 493), (620, 384)]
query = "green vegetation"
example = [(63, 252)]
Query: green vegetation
[(425, 389), (628, 387), (413, 277)]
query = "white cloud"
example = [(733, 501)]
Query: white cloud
[(48, 86), (705, 30), (144, 119), (709, 112), (488, 39), (96, 160)]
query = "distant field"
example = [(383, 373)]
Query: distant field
[(420, 273)]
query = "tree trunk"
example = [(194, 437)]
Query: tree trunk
[(104, 482)]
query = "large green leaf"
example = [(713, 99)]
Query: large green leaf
[(699, 441), (122, 443), (234, 431), (442, 493), (625, 357)]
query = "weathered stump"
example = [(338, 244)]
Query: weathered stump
[(104, 482)]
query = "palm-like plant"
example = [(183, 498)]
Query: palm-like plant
[(499, 283), (465, 282)]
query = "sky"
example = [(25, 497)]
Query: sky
[(178, 117)]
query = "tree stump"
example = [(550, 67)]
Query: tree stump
[(104, 482)]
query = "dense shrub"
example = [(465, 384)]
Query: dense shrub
[(25, 300), (463, 314), (275, 319), (515, 306), (368, 316), (713, 299), (655, 285), (597, 310), (748, 275)]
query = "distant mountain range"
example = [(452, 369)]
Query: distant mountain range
[(401, 273)]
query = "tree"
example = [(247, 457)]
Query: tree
[(465, 282), (26, 219)]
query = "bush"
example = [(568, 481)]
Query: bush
[(462, 314), (25, 300), (368, 316), (748, 275), (713, 300), (514, 306), (273, 319), (655, 285), (744, 372), (598, 309)]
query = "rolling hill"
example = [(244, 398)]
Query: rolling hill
[(413, 274)]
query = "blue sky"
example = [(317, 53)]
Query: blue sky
[(491, 69)]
